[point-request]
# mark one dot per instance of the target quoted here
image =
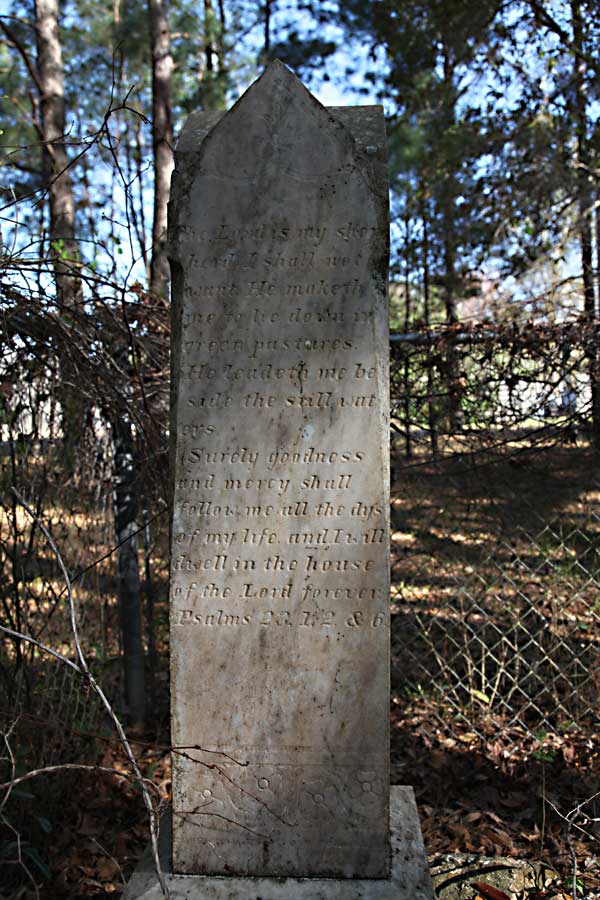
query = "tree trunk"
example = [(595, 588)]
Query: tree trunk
[(597, 247), (584, 206), (584, 195), (162, 140), (129, 586), (212, 71), (448, 202), (150, 607), (408, 263), (64, 249), (267, 36), (431, 414)]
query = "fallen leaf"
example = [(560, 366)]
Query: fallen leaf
[(107, 869), (568, 752), (488, 892), (473, 817)]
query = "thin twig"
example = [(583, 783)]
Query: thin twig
[(46, 649), (570, 818), (51, 770), (152, 815)]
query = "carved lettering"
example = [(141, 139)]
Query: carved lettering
[(306, 618), (279, 485), (317, 564), (280, 558), (205, 538), (191, 617), (258, 537), (184, 563)]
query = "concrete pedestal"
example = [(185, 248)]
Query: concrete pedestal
[(410, 879)]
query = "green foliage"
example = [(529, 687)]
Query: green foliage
[(481, 102), (302, 53)]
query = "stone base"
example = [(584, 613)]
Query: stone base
[(410, 879)]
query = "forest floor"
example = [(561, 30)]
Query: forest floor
[(496, 653), (474, 796), (489, 788)]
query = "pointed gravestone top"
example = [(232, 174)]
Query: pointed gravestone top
[(280, 557), (265, 127)]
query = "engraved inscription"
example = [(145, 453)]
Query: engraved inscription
[(280, 556)]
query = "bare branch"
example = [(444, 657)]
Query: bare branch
[(152, 813), (23, 53), (78, 767)]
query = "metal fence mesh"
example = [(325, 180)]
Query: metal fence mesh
[(495, 532)]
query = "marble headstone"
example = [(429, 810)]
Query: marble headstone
[(280, 555)]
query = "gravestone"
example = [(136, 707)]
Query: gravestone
[(280, 552)]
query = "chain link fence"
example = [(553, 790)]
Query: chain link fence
[(496, 529)]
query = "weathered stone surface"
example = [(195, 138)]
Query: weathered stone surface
[(409, 878), (453, 875), (280, 557)]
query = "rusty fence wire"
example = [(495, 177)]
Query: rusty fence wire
[(496, 528)]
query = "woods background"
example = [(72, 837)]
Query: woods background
[(494, 139)]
